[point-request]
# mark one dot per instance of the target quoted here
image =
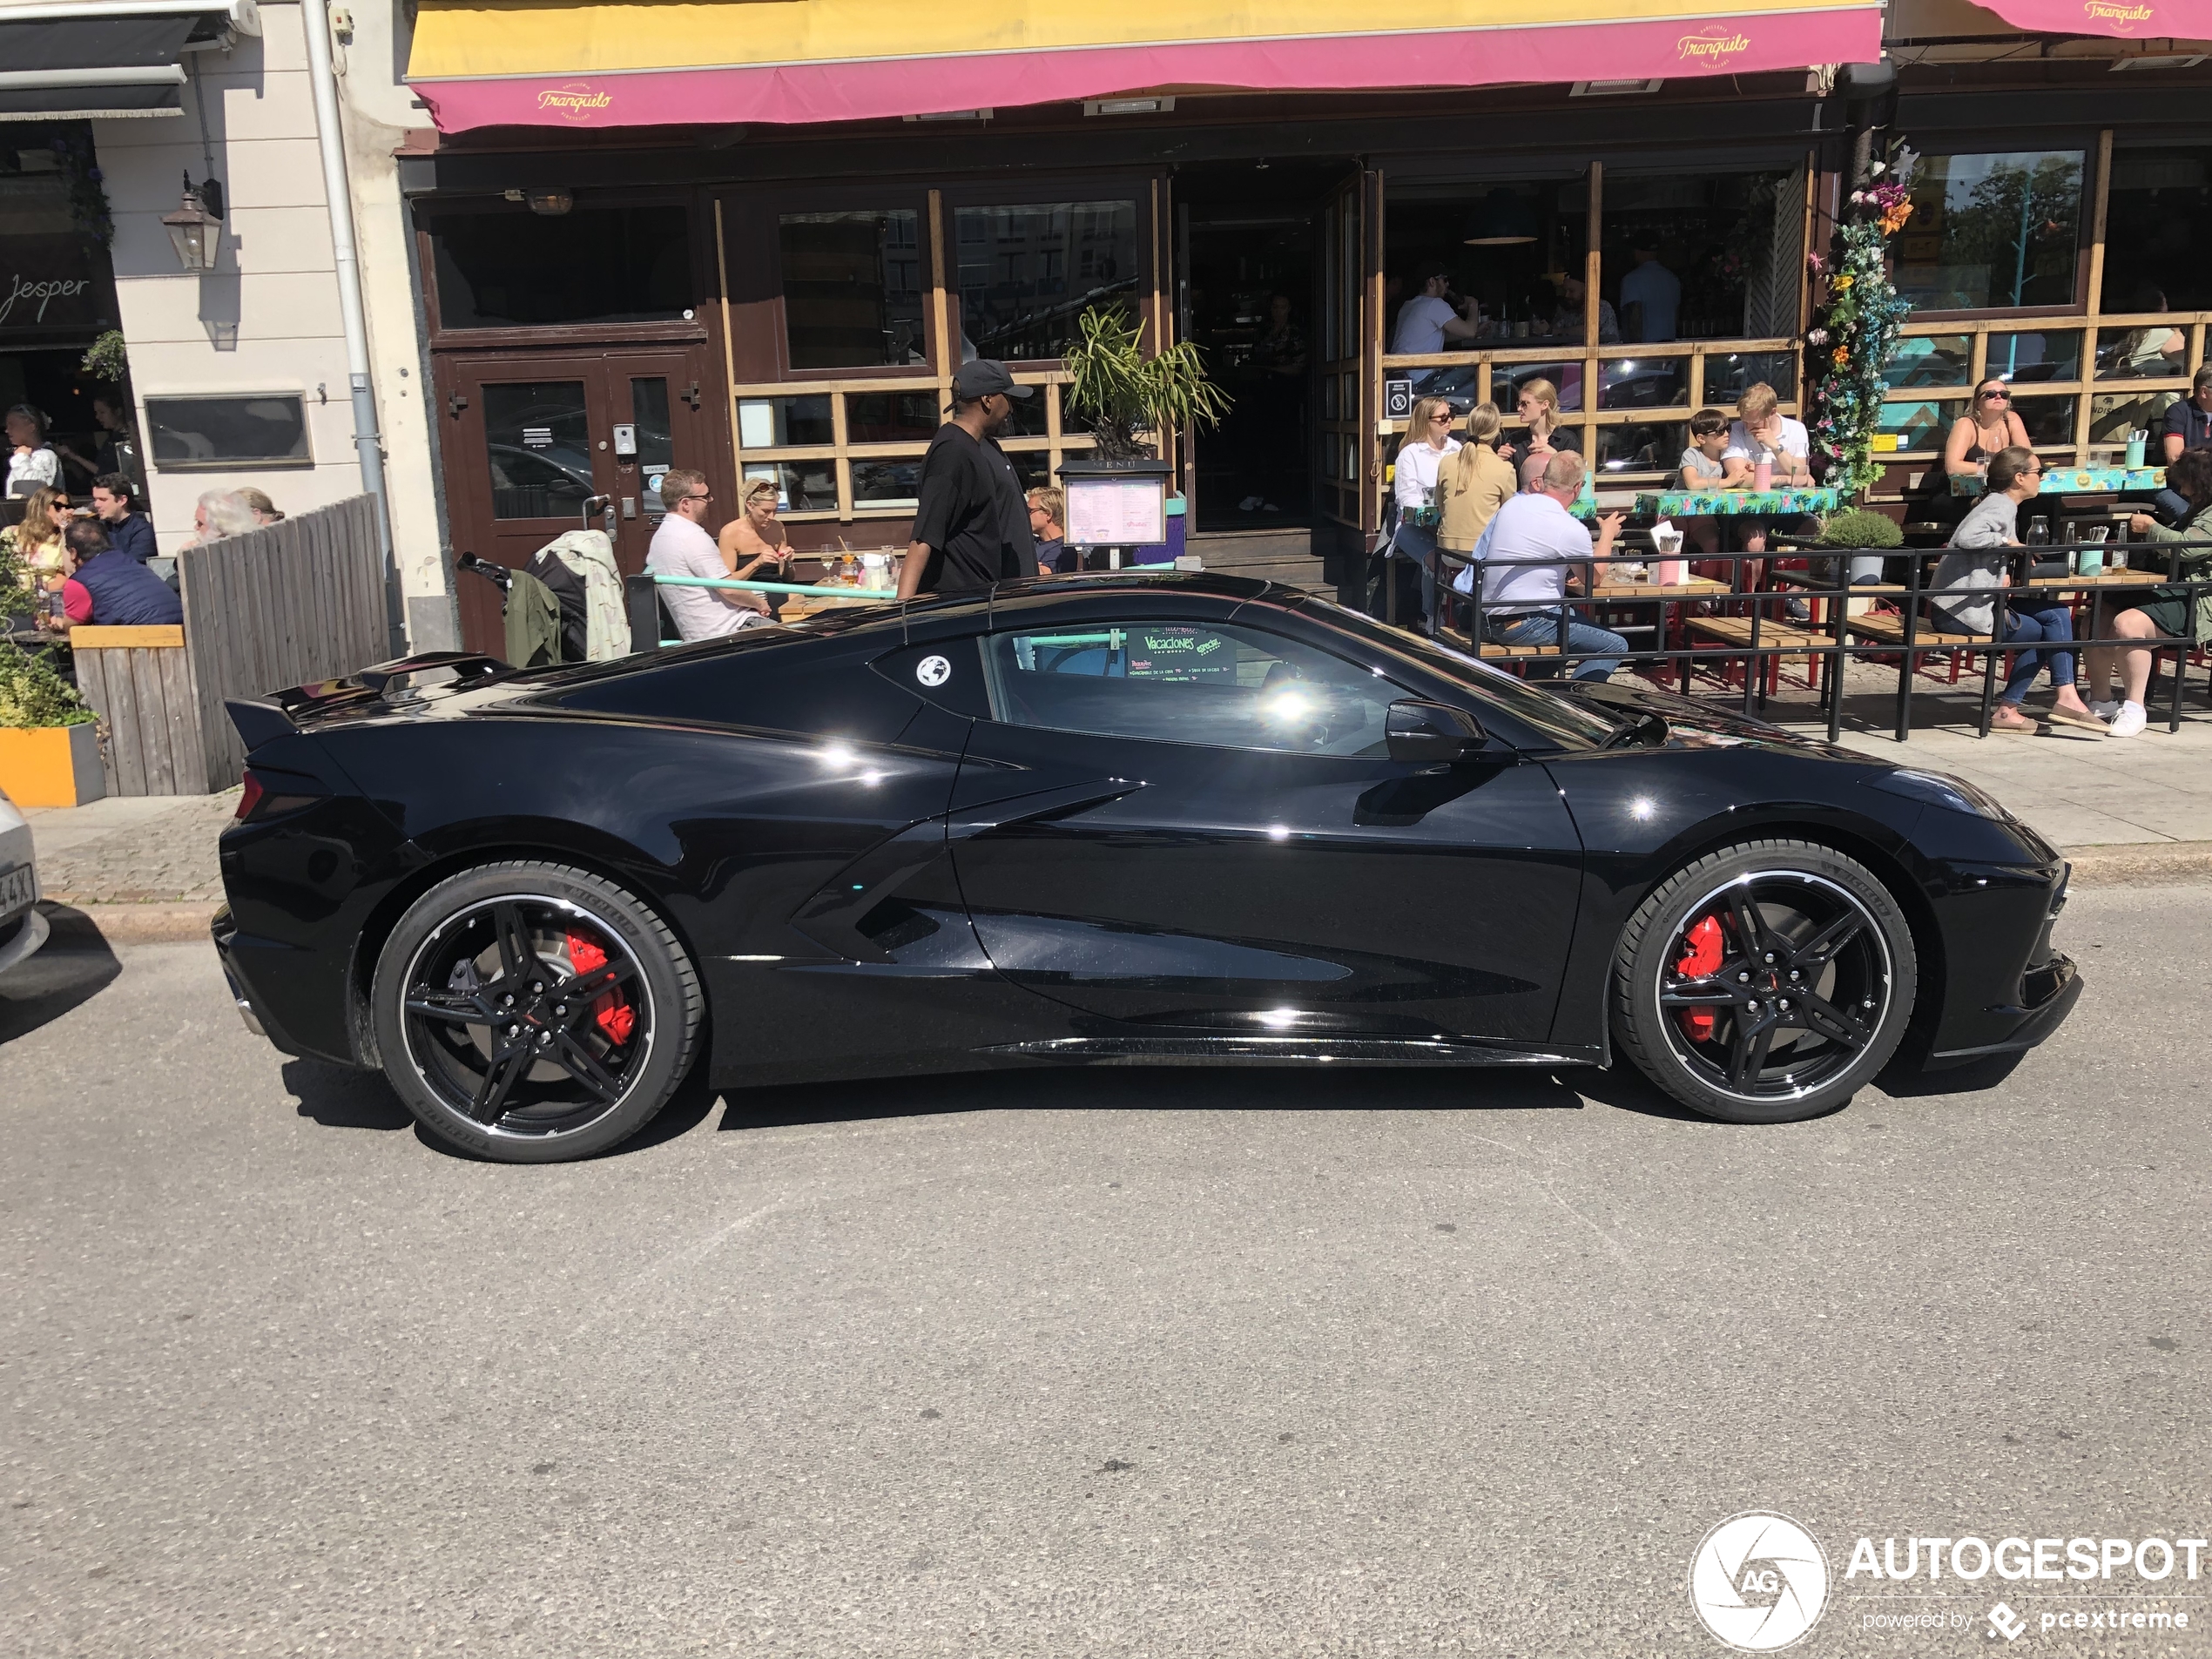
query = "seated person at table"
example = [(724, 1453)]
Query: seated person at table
[(107, 588), (1761, 430), (1572, 318), (1049, 525), (1429, 319), (125, 529), (1474, 483), (1703, 469), (1532, 556), (2158, 612), (1988, 426), (2187, 423), (1537, 404), (1977, 560), (681, 547)]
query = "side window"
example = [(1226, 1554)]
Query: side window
[(1181, 682)]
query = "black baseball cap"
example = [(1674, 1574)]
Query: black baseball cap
[(984, 376)]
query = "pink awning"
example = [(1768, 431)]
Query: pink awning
[(2125, 19)]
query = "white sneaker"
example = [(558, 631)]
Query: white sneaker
[(2128, 722), (2104, 710)]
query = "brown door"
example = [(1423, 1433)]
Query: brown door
[(535, 446)]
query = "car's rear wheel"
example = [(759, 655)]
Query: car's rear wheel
[(1765, 982), (530, 1011)]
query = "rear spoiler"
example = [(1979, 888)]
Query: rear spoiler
[(261, 720)]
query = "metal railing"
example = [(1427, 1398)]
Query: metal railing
[(1770, 635)]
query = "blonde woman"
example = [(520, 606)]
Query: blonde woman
[(37, 543), (1420, 458), (1538, 407), (753, 538), (1474, 483)]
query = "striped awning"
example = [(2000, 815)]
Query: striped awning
[(573, 62)]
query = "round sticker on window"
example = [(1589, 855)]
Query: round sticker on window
[(933, 671)]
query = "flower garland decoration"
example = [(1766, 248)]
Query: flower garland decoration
[(1848, 352)]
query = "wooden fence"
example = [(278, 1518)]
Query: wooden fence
[(300, 601)]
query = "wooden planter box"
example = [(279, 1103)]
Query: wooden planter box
[(52, 766)]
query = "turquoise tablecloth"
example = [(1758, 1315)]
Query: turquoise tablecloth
[(1731, 503), (2077, 480)]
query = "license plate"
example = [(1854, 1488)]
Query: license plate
[(18, 888)]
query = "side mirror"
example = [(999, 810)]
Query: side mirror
[(1429, 732)]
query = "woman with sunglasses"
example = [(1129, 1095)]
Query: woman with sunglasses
[(1420, 458), (1988, 426), (36, 543)]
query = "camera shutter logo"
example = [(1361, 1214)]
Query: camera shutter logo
[(1758, 1582), (933, 670)]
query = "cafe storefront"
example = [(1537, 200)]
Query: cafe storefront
[(630, 263)]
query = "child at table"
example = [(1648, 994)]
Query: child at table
[(1703, 469)]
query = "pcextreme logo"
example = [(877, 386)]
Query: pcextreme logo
[(574, 102), (1718, 45), (1758, 1582), (2122, 15)]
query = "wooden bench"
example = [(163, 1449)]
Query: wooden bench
[(1888, 628), (1788, 637)]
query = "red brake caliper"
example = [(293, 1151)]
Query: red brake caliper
[(615, 1015), (1706, 946)]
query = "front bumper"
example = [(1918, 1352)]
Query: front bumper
[(19, 939), (2049, 993)]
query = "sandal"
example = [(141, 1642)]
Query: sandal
[(2082, 722), (2021, 724)]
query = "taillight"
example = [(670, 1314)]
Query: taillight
[(273, 794)]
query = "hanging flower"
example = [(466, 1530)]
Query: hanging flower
[(1817, 337)]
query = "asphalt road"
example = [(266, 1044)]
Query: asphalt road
[(1117, 1363)]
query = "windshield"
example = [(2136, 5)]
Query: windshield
[(1557, 717)]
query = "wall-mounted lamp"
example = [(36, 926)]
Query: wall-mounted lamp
[(552, 203), (196, 228)]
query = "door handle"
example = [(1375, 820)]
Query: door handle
[(691, 396), (454, 404)]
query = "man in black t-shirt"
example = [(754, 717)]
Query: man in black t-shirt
[(972, 528)]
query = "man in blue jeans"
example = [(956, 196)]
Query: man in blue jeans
[(1535, 553)]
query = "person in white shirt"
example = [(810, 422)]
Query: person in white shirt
[(1532, 556), (1428, 440), (1650, 298), (1761, 431), (31, 465), (681, 547), (1428, 319)]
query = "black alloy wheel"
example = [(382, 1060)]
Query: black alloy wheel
[(1765, 982), (530, 1012)]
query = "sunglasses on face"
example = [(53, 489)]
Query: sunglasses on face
[(1444, 416), (1999, 397)]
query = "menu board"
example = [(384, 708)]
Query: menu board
[(1117, 512)]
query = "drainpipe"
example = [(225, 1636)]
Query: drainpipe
[(368, 444)]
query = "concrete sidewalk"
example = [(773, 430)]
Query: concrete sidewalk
[(2139, 808)]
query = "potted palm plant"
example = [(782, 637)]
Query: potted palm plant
[(1121, 394), (49, 747)]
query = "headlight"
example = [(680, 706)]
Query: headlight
[(1941, 789)]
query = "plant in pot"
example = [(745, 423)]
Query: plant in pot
[(1120, 394), (50, 748)]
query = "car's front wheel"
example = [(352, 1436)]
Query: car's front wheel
[(1764, 982), (530, 1011)]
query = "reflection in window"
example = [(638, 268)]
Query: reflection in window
[(1703, 255), (2025, 358), (1516, 249), (2113, 416), (1642, 449), (504, 270), (1027, 272), (2048, 420), (773, 422), (890, 417), (1182, 682), (1929, 360), (887, 483), (1918, 426), (2161, 211), (1729, 374), (1992, 231), (801, 486), (227, 431), (538, 448), (853, 288), (656, 440)]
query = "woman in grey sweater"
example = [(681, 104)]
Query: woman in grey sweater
[(1976, 560)]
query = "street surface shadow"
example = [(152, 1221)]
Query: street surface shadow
[(67, 972), (1305, 1087), (1904, 1078)]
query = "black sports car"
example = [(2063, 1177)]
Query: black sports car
[(1112, 820)]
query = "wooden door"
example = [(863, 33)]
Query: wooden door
[(541, 443)]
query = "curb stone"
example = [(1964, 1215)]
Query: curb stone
[(2140, 862), (129, 924)]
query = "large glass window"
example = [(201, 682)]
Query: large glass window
[(1993, 232), (1516, 249), (853, 288), (593, 266), (1027, 272), (269, 430), (2161, 215), (537, 445), (1176, 682), (1691, 254)]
